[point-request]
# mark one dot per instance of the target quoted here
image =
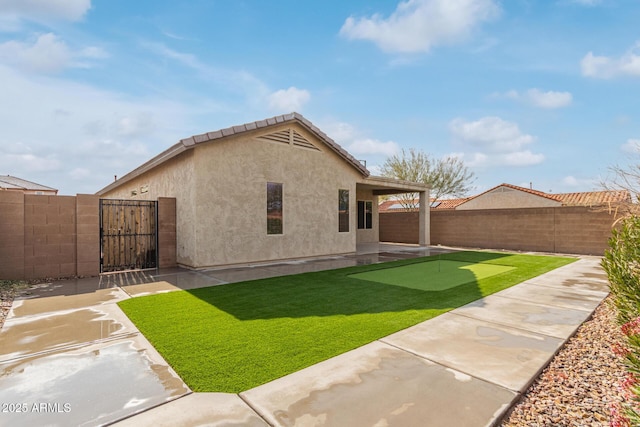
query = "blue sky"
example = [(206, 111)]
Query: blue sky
[(542, 92)]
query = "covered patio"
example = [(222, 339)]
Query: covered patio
[(367, 192)]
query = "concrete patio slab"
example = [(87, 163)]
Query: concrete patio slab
[(498, 354), (96, 384), (199, 409), (240, 274), (378, 385), (30, 305), (543, 319), (150, 288), (584, 274), (568, 297), (48, 332), (189, 280)]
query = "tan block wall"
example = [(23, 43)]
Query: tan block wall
[(167, 236), (11, 235), (575, 230), (59, 236), (49, 236), (88, 235), (399, 227)]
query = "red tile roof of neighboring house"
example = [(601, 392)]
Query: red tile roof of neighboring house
[(594, 198), (588, 198), (526, 190), (396, 205), (448, 203)]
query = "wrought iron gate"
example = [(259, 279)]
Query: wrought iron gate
[(128, 235)]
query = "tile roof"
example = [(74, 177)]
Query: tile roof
[(188, 143), (13, 183), (448, 203), (594, 198), (395, 205), (516, 187), (588, 198)]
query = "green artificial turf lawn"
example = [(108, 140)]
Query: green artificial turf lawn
[(433, 275), (235, 337)]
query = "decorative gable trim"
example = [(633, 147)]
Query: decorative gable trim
[(289, 136)]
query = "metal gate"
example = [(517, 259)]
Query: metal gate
[(128, 235)]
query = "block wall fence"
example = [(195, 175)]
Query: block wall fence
[(571, 229), (59, 236)]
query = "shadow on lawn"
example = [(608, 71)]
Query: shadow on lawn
[(333, 292)]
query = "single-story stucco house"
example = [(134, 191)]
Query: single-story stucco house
[(274, 189)]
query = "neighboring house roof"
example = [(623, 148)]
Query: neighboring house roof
[(448, 203), (8, 182), (515, 187), (588, 198), (188, 143), (594, 198), (396, 205)]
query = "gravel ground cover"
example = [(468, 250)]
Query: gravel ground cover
[(582, 383), (8, 291)]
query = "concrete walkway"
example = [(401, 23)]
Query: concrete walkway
[(69, 356)]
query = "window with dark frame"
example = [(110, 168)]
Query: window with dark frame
[(365, 214), (274, 208), (343, 211)]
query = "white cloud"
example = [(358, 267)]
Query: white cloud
[(537, 98), (491, 133), (572, 181), (357, 142), (288, 100), (587, 2), (521, 158), (604, 67), (56, 130), (242, 81), (340, 132), (631, 146), (45, 10), (549, 99), (373, 146), (493, 141), (418, 25), (46, 54)]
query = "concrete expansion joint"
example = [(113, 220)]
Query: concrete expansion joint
[(262, 416), (512, 326), (71, 347), (114, 422), (451, 368)]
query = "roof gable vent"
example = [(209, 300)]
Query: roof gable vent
[(289, 136)]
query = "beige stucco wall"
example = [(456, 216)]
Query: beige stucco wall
[(174, 178), (507, 198), (231, 178)]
